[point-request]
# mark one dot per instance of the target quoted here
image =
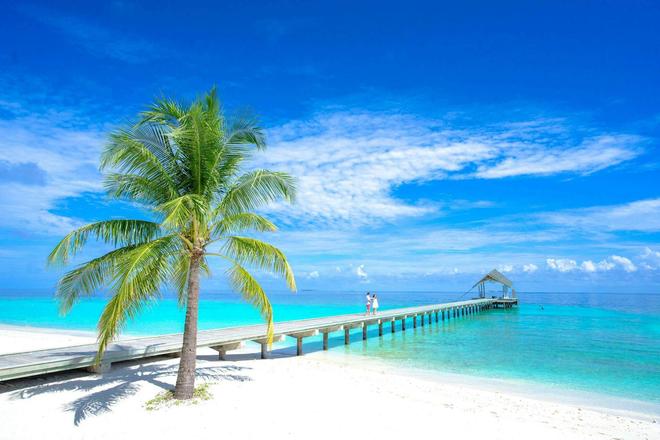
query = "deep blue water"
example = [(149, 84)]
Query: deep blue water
[(607, 343)]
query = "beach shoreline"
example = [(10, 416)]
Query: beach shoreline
[(322, 379)]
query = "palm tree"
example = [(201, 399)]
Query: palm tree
[(184, 164)]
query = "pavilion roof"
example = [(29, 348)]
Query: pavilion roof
[(496, 276)]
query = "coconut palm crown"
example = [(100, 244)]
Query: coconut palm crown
[(184, 164)]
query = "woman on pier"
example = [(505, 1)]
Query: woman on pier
[(368, 303), (374, 304)]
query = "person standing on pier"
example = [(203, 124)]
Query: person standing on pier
[(374, 304), (368, 303)]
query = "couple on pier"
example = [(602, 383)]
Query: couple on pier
[(372, 304)]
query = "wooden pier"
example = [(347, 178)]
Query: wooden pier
[(19, 365)]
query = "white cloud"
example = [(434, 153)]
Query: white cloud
[(66, 155), (624, 262), (640, 215), (530, 268), (532, 160), (505, 268), (561, 265), (348, 163), (589, 266), (313, 275), (650, 259), (361, 273)]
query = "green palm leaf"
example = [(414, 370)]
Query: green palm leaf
[(251, 290), (257, 189), (257, 253), (245, 221), (114, 232)]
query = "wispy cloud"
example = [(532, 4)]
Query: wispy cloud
[(45, 159), (639, 215), (592, 155), (650, 259), (348, 163), (97, 39)]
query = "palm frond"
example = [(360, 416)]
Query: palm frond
[(164, 111), (127, 153), (257, 189), (246, 131), (257, 253), (180, 212), (87, 278), (115, 232), (251, 290), (245, 221), (180, 275), (135, 188), (140, 275)]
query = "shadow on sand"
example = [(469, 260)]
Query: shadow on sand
[(102, 392)]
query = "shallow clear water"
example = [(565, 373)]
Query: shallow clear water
[(607, 343)]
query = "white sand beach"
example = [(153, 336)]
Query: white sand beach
[(16, 339), (319, 395)]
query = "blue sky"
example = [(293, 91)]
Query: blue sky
[(432, 141)]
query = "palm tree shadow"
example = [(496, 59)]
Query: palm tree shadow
[(106, 391)]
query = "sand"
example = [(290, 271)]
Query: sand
[(15, 339), (320, 396)]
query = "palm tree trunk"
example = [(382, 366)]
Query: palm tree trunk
[(185, 380)]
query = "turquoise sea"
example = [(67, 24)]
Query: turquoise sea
[(607, 343)]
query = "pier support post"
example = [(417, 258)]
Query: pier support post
[(326, 331), (414, 318), (347, 336), (380, 328), (299, 339), (364, 332), (403, 324), (393, 326), (430, 318), (442, 314), (264, 344), (421, 319), (436, 317), (223, 349)]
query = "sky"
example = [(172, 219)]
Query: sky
[(431, 141)]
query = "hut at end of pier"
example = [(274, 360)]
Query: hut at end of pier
[(496, 276)]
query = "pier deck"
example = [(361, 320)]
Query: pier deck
[(18, 365)]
